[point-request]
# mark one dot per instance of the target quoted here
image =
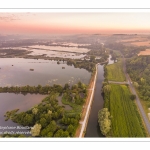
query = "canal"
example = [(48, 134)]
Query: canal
[(93, 129)]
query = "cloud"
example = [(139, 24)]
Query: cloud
[(7, 17)]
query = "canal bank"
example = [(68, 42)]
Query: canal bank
[(92, 129)]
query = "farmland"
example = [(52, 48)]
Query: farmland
[(146, 52), (141, 43), (114, 72), (126, 121)]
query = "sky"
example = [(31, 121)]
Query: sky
[(74, 23)]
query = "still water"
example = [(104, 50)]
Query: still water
[(60, 48), (16, 72), (93, 129), (35, 52), (58, 51), (11, 101)]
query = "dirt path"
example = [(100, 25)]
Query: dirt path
[(116, 82)]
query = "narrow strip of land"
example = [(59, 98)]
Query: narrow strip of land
[(86, 110), (115, 82)]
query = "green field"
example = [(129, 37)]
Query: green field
[(126, 121), (115, 72)]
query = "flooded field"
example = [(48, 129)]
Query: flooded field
[(60, 48), (70, 44), (67, 50), (48, 53), (20, 72)]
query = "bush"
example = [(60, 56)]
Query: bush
[(132, 97)]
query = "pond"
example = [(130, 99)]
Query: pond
[(11, 101)]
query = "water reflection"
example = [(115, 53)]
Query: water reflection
[(60, 48), (92, 128), (11, 101), (17, 72), (35, 52), (110, 61)]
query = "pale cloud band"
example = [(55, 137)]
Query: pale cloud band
[(94, 22)]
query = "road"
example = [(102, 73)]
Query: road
[(146, 121)]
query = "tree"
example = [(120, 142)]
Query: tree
[(35, 131), (70, 129), (50, 134), (132, 97), (43, 122), (66, 87), (107, 88), (104, 121), (28, 119), (61, 133), (143, 81), (34, 110), (52, 126), (92, 58), (136, 84), (49, 112)]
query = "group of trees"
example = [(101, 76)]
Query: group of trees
[(48, 119), (32, 89), (139, 71), (42, 118), (104, 120), (113, 55), (127, 51), (89, 66), (103, 53), (106, 89), (76, 94)]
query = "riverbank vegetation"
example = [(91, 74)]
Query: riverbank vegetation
[(104, 120), (49, 119), (125, 118), (139, 71), (32, 89), (89, 64), (114, 72)]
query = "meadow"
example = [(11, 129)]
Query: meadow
[(126, 120), (114, 72)]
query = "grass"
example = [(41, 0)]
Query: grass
[(75, 108), (126, 120), (115, 71)]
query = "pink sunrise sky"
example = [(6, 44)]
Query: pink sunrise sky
[(74, 23)]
